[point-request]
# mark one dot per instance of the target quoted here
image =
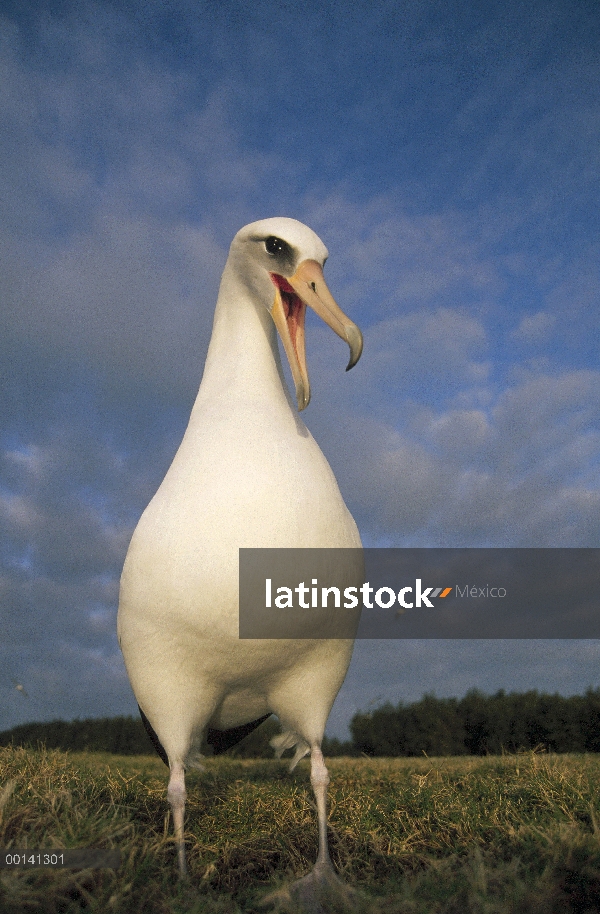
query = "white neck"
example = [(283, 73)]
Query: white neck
[(243, 366)]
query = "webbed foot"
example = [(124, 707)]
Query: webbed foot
[(319, 892)]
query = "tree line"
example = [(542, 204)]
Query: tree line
[(477, 724), (481, 724)]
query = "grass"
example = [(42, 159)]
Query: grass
[(493, 835)]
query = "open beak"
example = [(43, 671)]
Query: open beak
[(307, 287)]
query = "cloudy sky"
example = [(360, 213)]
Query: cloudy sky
[(447, 154)]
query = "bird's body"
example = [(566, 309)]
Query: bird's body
[(248, 473)]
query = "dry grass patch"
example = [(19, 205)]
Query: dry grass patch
[(502, 834)]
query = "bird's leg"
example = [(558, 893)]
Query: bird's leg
[(319, 778), (320, 890), (176, 795)]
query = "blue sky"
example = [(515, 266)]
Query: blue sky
[(448, 156)]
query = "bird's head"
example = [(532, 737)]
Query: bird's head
[(282, 260)]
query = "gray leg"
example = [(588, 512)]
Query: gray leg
[(320, 890), (176, 795), (319, 778)]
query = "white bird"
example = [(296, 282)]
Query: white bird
[(248, 473)]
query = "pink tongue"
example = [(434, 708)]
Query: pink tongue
[(281, 283), (292, 303)]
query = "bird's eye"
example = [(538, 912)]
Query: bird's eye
[(274, 245)]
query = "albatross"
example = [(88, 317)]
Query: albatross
[(248, 473)]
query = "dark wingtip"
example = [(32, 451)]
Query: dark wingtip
[(355, 340), (153, 737), (222, 740)]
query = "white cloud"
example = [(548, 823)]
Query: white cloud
[(397, 261), (521, 472), (111, 259), (534, 328), (16, 511), (431, 343)]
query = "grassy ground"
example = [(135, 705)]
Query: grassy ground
[(494, 835)]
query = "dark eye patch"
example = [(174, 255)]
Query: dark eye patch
[(281, 252)]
